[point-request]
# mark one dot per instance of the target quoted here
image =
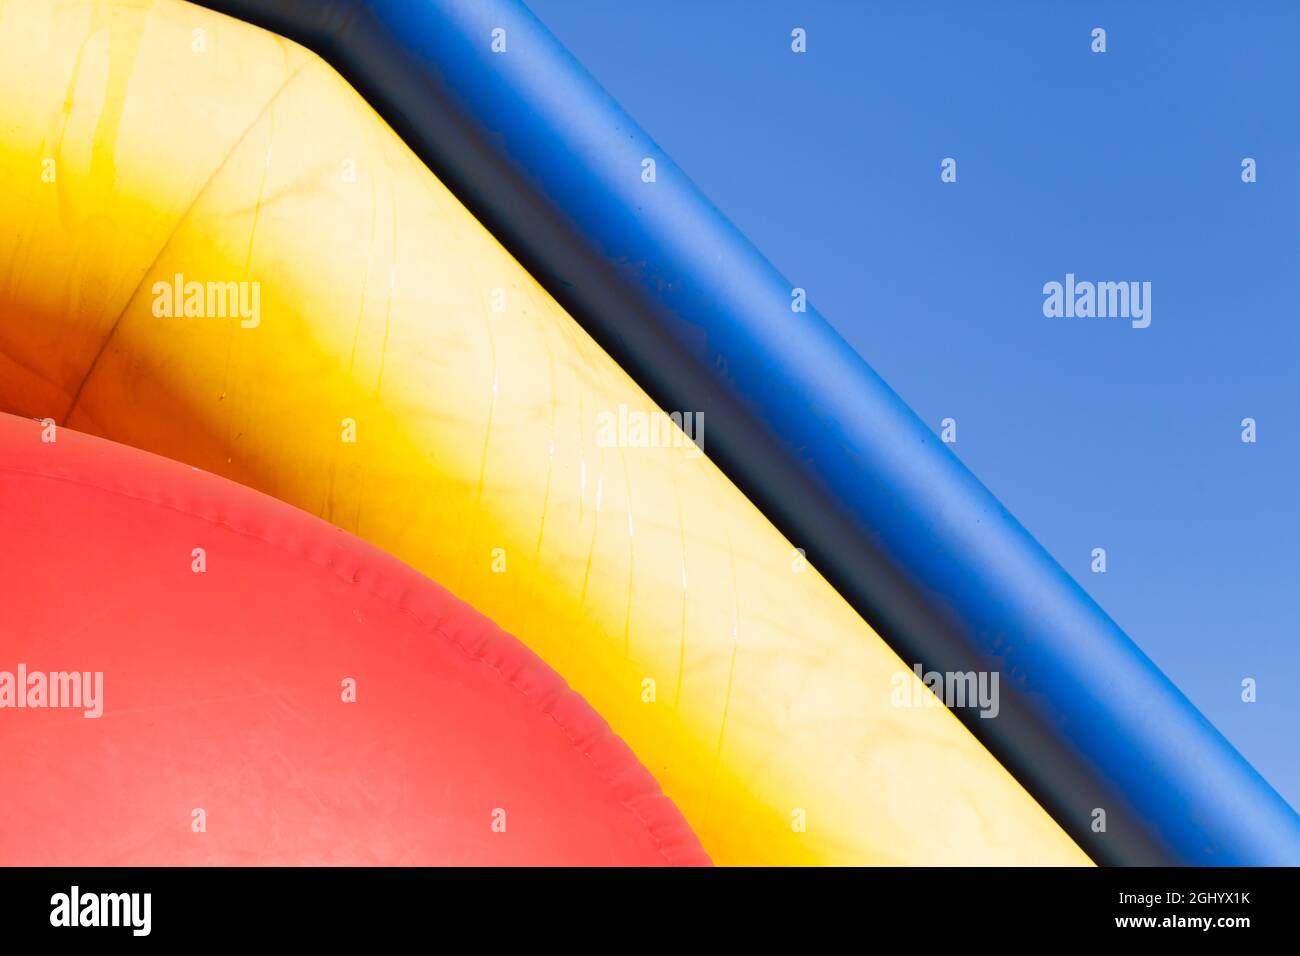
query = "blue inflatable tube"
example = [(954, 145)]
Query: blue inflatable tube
[(551, 164)]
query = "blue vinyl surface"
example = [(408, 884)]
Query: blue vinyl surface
[(552, 165)]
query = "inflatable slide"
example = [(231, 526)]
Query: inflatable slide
[(412, 304)]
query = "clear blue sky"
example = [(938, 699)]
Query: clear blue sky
[(1117, 166)]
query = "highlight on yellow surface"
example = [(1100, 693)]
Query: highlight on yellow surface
[(215, 250)]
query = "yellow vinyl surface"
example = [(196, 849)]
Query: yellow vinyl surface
[(141, 141)]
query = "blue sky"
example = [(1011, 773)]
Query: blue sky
[(1120, 166)]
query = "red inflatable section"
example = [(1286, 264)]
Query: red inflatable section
[(270, 690)]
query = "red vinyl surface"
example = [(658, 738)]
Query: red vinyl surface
[(223, 691)]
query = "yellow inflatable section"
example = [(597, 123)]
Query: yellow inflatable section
[(215, 250)]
